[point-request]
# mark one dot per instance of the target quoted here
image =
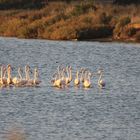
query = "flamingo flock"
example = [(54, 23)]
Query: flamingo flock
[(63, 77), (7, 80)]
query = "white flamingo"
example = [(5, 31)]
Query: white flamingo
[(30, 81), (9, 77), (36, 81), (68, 79), (19, 81), (57, 82), (3, 80), (82, 75), (87, 82), (77, 81), (70, 73), (101, 82)]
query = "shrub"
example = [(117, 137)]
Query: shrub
[(120, 25), (87, 20), (113, 21), (104, 18), (11, 27), (124, 21), (64, 33), (56, 18), (28, 31), (96, 32), (137, 36), (59, 20), (82, 9), (130, 31)]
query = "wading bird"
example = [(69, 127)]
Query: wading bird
[(101, 82), (87, 82), (77, 80)]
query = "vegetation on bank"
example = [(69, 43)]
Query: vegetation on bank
[(73, 20), (9, 4)]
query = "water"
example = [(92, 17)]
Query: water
[(47, 113)]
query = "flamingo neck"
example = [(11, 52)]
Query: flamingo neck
[(59, 75), (89, 77), (4, 74), (81, 77), (100, 77), (19, 73), (27, 70), (70, 74), (77, 75), (9, 73), (27, 76), (35, 75), (86, 75), (62, 75), (26, 73)]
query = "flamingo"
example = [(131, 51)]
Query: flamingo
[(19, 81), (82, 75), (4, 76), (9, 77), (101, 82), (3, 80), (87, 82), (27, 70), (29, 82), (68, 79), (54, 77), (77, 81), (36, 75), (63, 78), (70, 74), (57, 81)]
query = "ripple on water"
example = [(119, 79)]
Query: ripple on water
[(73, 113)]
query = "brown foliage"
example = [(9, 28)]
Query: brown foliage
[(60, 20)]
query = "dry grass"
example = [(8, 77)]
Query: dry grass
[(60, 20)]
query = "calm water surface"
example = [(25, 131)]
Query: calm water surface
[(47, 113)]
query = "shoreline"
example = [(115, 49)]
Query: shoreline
[(102, 40)]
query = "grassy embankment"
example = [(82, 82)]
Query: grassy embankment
[(66, 21)]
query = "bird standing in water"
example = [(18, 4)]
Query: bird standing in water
[(101, 82)]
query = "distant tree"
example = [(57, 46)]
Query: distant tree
[(126, 1)]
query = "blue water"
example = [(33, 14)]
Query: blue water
[(47, 113)]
